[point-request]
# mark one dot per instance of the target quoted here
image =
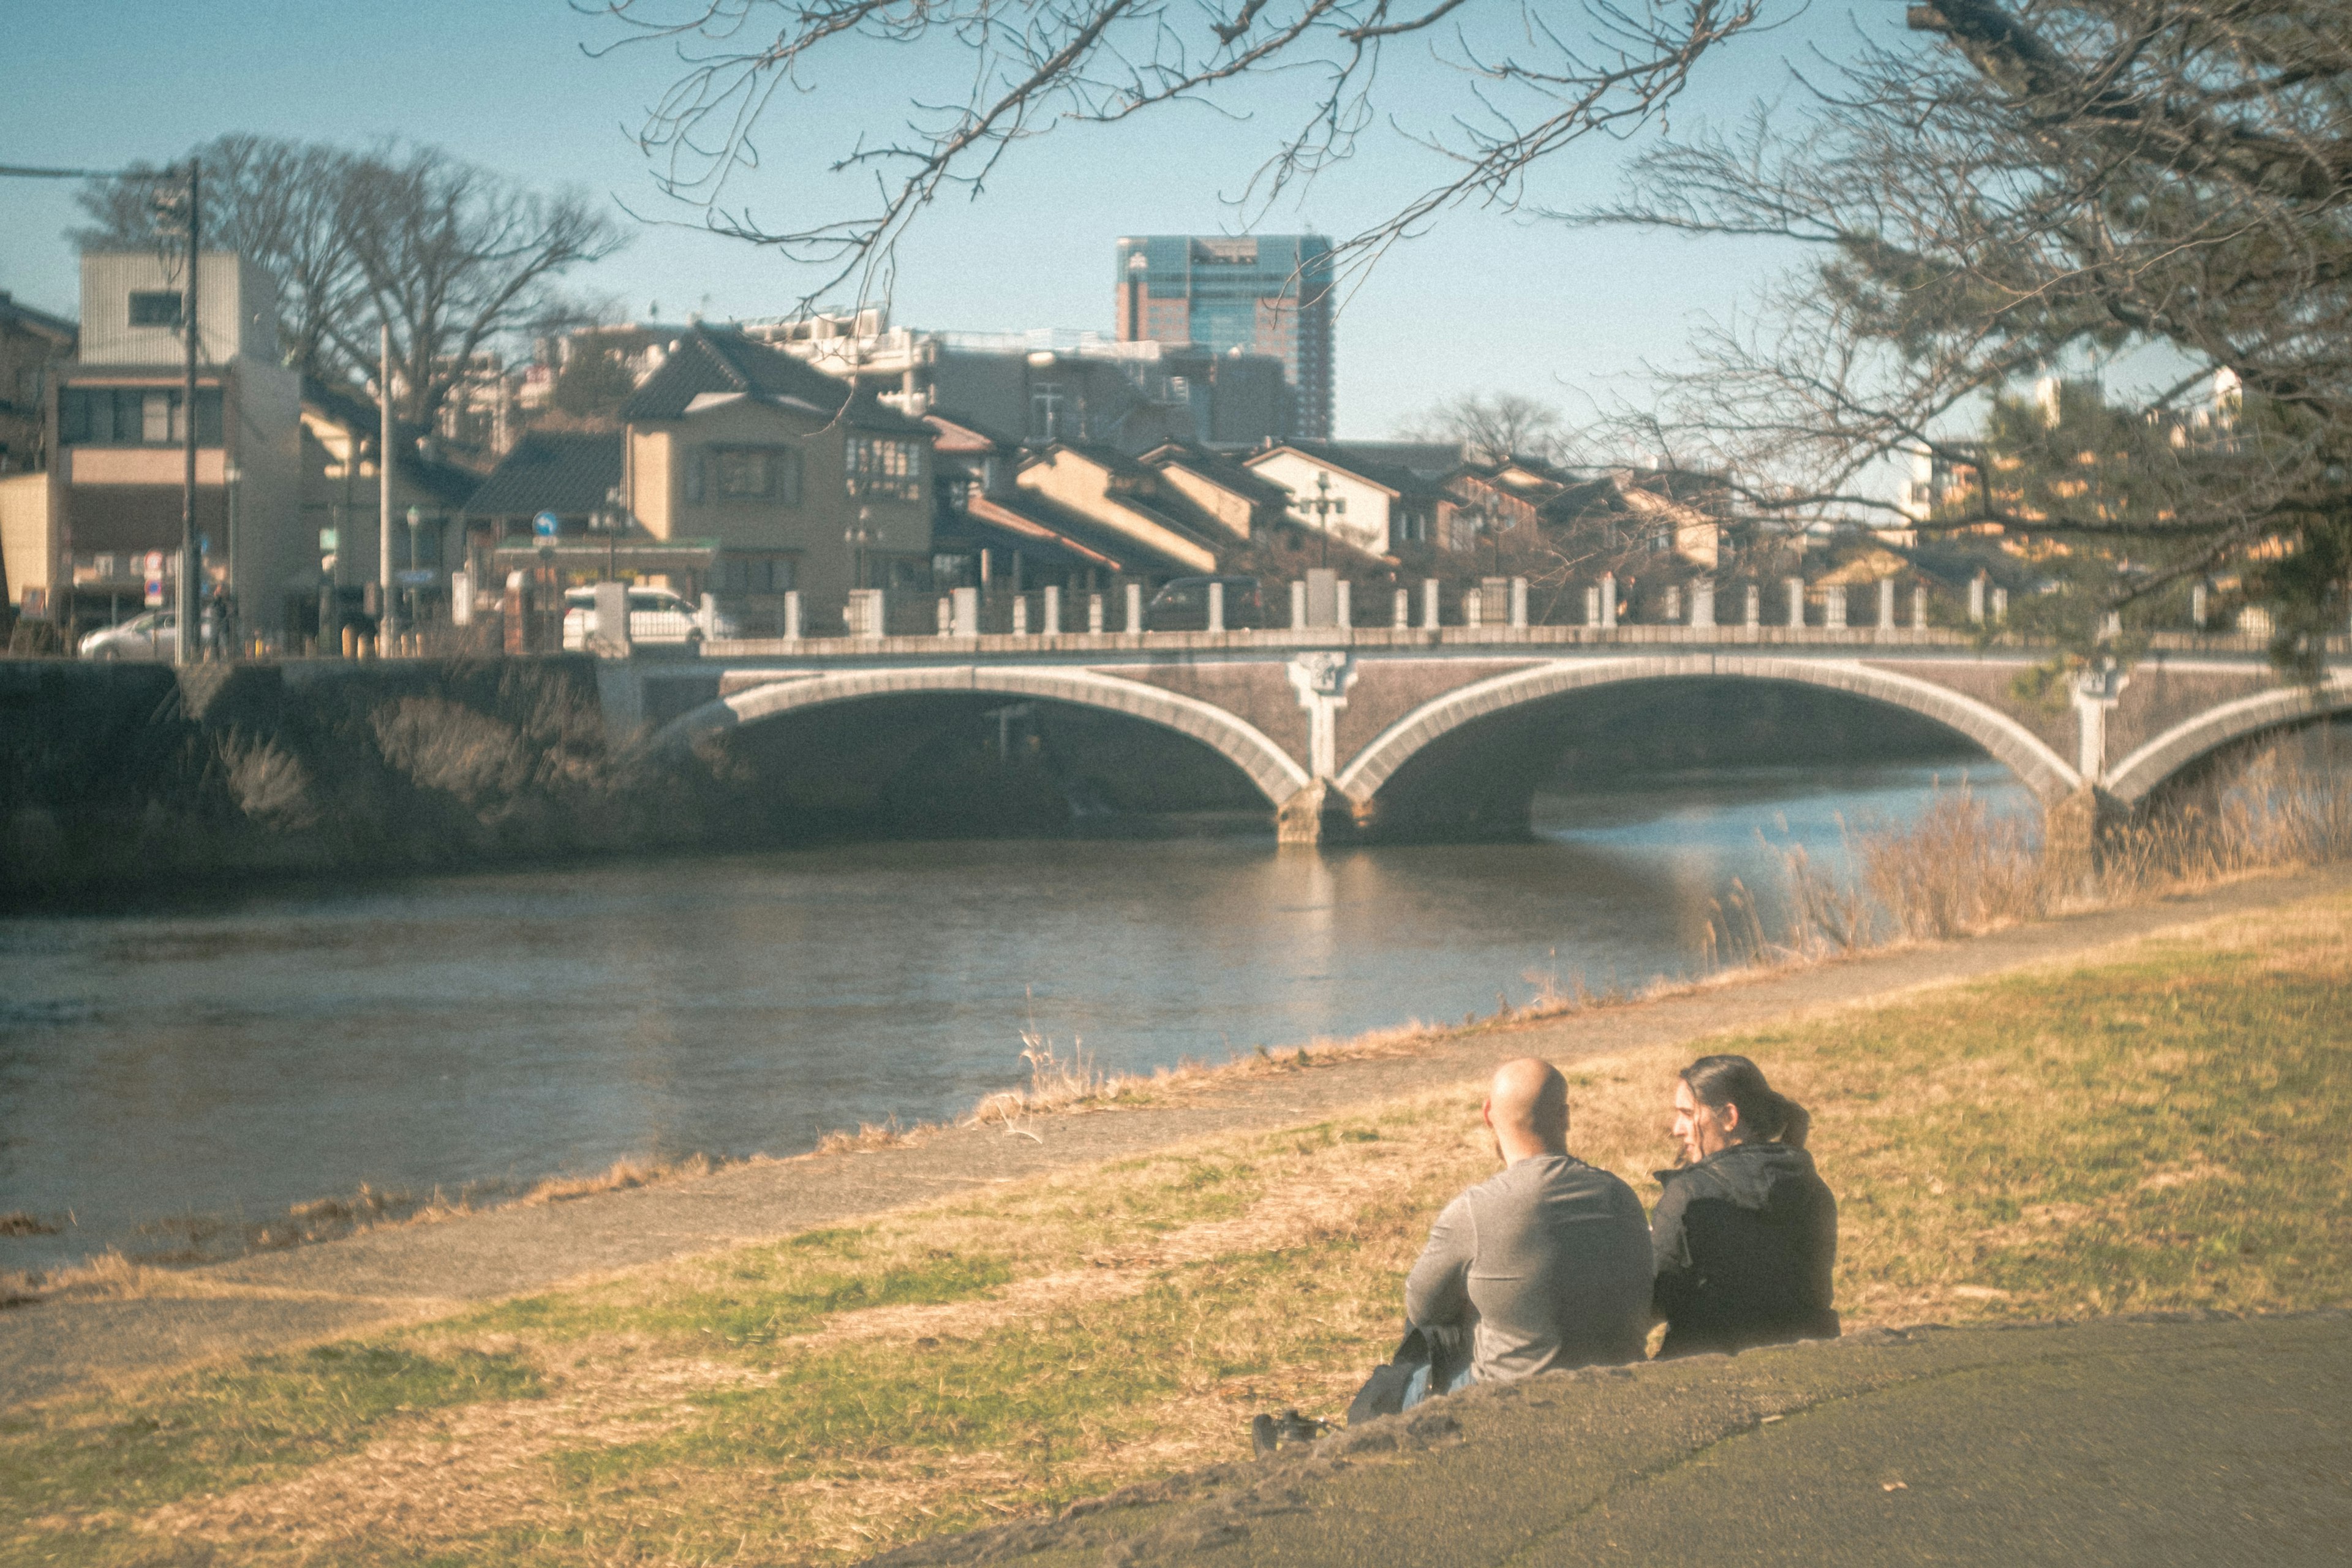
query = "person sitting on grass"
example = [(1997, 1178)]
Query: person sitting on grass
[(1543, 1266), (1745, 1232)]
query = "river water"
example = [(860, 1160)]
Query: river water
[(268, 1047)]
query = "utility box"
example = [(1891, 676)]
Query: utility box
[(612, 629)]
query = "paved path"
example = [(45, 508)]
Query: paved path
[(2113, 1444), (271, 1300)]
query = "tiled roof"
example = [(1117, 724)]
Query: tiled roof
[(1223, 471), (1098, 543), (1404, 481), (1006, 523), (563, 472), (957, 434), (719, 360), (14, 314)]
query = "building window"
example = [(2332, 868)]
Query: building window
[(881, 466), (757, 473), (154, 308), (694, 478), (134, 417), (1047, 406)]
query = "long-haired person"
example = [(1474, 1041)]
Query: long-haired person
[(1744, 1236)]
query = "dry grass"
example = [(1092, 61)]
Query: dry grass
[(179, 1241), (2154, 1130)]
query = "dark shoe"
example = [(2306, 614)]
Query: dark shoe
[(1286, 1430)]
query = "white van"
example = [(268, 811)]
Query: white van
[(656, 615)]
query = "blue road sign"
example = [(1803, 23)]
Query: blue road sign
[(546, 525)]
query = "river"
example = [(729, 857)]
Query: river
[(232, 1055)]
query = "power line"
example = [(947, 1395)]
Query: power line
[(25, 172)]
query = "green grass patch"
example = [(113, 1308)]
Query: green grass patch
[(211, 1430)]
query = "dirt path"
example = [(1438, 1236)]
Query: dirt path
[(406, 1274)]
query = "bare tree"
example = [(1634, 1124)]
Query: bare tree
[(1036, 63), (1493, 427), (452, 257), (2035, 187)]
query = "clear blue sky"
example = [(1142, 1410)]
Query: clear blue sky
[(1485, 302)]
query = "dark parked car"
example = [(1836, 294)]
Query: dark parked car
[(1183, 606)]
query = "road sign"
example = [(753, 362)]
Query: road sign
[(327, 541), (546, 525), (416, 577), (154, 578)]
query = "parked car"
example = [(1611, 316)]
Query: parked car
[(151, 635), (656, 615), (1182, 604)]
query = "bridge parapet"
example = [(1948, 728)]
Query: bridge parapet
[(858, 651)]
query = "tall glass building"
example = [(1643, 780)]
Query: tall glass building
[(1266, 294)]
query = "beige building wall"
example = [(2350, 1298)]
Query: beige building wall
[(1362, 517), (665, 457), (237, 309), (28, 533), (272, 550), (1231, 512)]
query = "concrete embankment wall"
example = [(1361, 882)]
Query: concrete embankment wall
[(126, 776)]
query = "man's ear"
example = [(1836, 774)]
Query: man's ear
[(1486, 1111)]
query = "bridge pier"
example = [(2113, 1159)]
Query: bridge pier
[(1322, 812), (2071, 831)]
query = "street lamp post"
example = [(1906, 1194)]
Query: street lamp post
[(1322, 505), (415, 521), (857, 536)]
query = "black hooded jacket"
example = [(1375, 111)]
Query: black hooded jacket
[(1745, 1242)]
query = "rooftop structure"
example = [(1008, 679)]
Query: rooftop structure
[(1052, 384)]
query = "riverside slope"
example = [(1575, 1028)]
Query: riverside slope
[(2110, 1444), (271, 1301)]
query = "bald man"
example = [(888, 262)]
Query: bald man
[(1546, 1265)]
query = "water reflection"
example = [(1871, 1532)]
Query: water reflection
[(266, 1048)]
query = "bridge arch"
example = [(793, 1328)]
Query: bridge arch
[(1248, 748), (2134, 779), (2026, 754)]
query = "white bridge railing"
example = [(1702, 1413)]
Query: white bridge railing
[(1324, 610)]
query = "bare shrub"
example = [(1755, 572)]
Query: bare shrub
[(1827, 914), (1959, 870), (269, 784), (2285, 802), (442, 745)]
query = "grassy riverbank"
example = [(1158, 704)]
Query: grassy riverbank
[(2157, 1130)]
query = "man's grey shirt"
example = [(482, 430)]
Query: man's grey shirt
[(1549, 1264)]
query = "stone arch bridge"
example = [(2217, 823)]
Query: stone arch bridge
[(1329, 725)]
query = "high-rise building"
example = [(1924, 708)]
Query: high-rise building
[(1264, 294)]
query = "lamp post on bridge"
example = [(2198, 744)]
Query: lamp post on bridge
[(1323, 506), (857, 536)]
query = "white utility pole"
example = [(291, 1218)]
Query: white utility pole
[(383, 485), (188, 593)]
